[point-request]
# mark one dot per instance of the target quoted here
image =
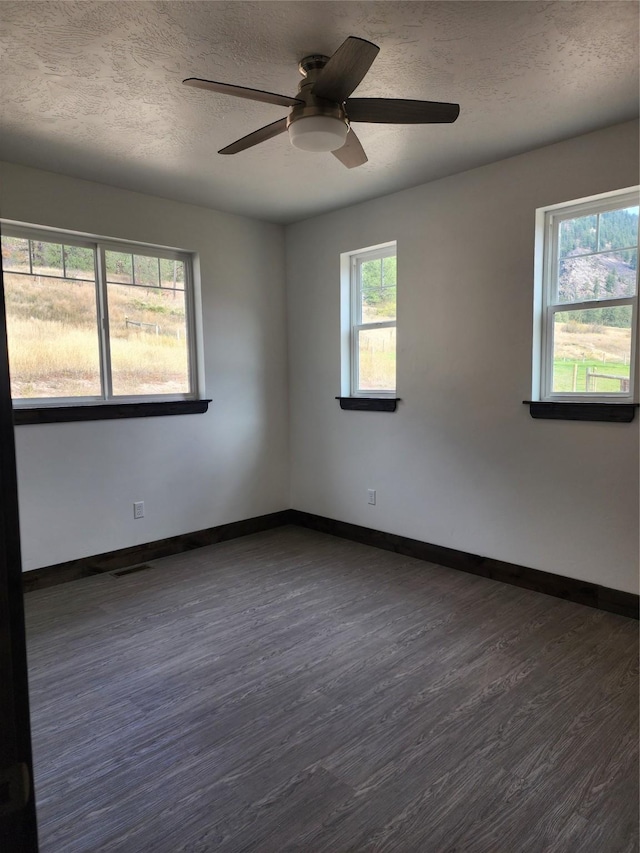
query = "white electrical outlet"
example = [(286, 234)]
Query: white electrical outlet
[(371, 496), (138, 509)]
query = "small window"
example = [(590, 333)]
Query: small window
[(589, 290), (95, 321), (373, 285)]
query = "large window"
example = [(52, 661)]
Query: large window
[(96, 321), (373, 283), (589, 300)]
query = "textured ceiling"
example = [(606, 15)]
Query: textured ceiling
[(93, 89)]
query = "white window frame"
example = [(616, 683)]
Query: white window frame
[(99, 246), (549, 220), (355, 260)]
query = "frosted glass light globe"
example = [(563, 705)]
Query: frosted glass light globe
[(318, 133)]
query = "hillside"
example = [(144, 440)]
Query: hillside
[(598, 259)]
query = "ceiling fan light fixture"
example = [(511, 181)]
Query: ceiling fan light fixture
[(322, 111), (318, 133)]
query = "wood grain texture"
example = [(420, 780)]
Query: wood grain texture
[(582, 592), (124, 558), (291, 692), (571, 589)]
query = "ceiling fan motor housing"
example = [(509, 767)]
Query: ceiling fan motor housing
[(315, 62), (318, 124)]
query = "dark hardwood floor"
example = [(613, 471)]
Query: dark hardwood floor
[(291, 691)]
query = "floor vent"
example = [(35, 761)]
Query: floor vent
[(119, 573)]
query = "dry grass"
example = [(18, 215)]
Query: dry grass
[(51, 359), (581, 341), (377, 360), (582, 347), (53, 339)]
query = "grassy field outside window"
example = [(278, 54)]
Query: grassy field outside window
[(54, 311), (590, 298)]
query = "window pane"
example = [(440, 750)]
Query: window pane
[(171, 274), (377, 359), (618, 229), (578, 236), (147, 331), (53, 337), (46, 258), (146, 270), (119, 267), (606, 276), (592, 350), (378, 290), (79, 262), (15, 254)]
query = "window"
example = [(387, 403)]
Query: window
[(588, 318), (372, 333), (96, 321)]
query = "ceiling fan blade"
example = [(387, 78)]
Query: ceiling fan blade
[(352, 153), (242, 92), (398, 111), (251, 139), (346, 68)]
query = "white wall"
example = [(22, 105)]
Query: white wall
[(461, 463), (77, 482)]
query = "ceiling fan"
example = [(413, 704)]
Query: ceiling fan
[(322, 112)]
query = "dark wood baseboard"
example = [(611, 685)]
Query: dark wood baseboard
[(125, 557), (581, 592)]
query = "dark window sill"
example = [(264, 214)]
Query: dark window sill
[(106, 411), (611, 412), (369, 404)]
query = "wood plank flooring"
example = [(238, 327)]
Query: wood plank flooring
[(291, 692)]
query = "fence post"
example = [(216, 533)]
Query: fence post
[(574, 383)]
